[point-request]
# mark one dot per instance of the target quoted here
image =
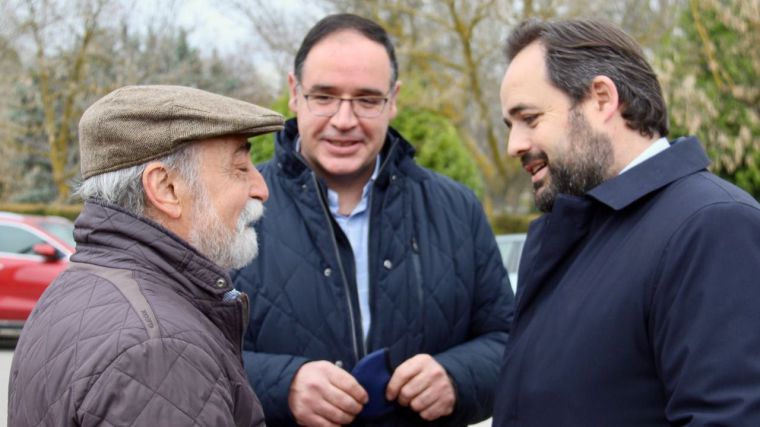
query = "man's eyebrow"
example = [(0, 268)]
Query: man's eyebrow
[(517, 109), (244, 147), (366, 91), (321, 88)]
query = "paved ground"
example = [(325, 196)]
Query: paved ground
[(6, 355)]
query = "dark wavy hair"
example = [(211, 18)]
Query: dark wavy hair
[(579, 50), (345, 21)]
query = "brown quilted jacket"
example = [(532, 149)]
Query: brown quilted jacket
[(134, 333)]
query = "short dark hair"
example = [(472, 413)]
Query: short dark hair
[(579, 50), (340, 22)]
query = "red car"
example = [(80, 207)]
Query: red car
[(33, 251)]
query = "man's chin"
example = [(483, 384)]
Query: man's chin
[(246, 248), (544, 198)]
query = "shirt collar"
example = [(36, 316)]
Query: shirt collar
[(332, 196), (684, 157), (653, 149)]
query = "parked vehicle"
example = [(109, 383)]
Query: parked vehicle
[(511, 246), (33, 251)]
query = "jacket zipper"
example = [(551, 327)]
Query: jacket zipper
[(369, 270), (243, 298), (351, 312), (417, 269), (328, 217), (417, 264)]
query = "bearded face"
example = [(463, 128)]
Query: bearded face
[(229, 249), (584, 164)]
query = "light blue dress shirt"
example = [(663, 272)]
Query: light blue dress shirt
[(661, 144), (356, 228)]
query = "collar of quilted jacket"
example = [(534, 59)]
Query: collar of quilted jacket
[(111, 237)]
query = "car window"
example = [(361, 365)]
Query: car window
[(61, 230), (510, 247), (17, 240)]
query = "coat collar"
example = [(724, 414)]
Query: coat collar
[(684, 157), (554, 237), (112, 237)]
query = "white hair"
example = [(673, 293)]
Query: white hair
[(208, 234), (124, 188)]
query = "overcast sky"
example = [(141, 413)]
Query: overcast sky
[(210, 23), (213, 24)]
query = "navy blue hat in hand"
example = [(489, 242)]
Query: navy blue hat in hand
[(373, 372)]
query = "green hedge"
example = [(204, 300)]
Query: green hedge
[(509, 223), (502, 224), (66, 211)]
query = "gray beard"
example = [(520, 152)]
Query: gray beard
[(227, 249)]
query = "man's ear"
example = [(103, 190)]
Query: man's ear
[(603, 95), (393, 108), (292, 85), (160, 190)]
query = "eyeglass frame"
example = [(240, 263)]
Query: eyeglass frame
[(350, 100)]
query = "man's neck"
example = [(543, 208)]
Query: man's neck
[(348, 188), (627, 149), (349, 191)]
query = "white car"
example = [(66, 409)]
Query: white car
[(511, 246)]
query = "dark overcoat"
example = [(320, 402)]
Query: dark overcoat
[(639, 304)]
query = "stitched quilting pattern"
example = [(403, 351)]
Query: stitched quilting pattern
[(85, 357)]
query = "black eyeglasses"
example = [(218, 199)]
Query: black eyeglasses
[(325, 105)]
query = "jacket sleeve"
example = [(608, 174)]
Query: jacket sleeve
[(270, 376), (475, 364), (166, 381), (705, 317)]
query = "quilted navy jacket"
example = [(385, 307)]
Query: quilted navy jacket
[(134, 333), (437, 283)]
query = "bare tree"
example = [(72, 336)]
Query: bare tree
[(69, 53), (710, 71), (59, 78), (450, 54), (277, 29)]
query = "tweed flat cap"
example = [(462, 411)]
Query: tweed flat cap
[(135, 124)]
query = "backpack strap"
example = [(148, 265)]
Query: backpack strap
[(127, 285)]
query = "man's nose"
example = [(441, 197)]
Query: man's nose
[(517, 143), (259, 189), (344, 118)]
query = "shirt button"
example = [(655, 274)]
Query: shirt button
[(328, 272), (220, 283), (387, 264)]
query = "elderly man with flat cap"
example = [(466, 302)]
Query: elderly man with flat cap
[(144, 327)]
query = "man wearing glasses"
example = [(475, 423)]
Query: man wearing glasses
[(379, 295)]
